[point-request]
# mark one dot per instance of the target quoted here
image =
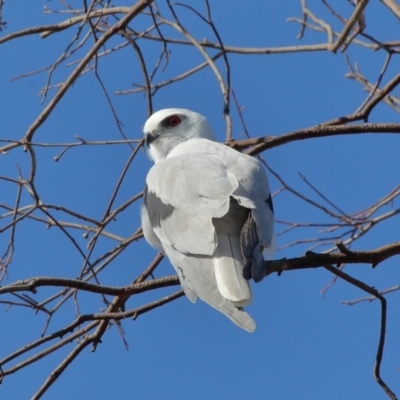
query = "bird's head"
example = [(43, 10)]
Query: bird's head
[(167, 128)]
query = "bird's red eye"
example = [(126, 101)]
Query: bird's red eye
[(173, 121)]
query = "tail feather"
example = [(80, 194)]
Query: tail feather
[(240, 318), (198, 279), (229, 265)]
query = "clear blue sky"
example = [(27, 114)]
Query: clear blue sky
[(306, 346)]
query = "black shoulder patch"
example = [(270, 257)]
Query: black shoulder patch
[(156, 209), (269, 202)]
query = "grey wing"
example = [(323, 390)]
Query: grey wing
[(148, 231), (200, 183), (257, 232)]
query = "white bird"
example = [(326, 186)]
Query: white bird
[(209, 209)]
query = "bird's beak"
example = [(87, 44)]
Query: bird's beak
[(151, 137)]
